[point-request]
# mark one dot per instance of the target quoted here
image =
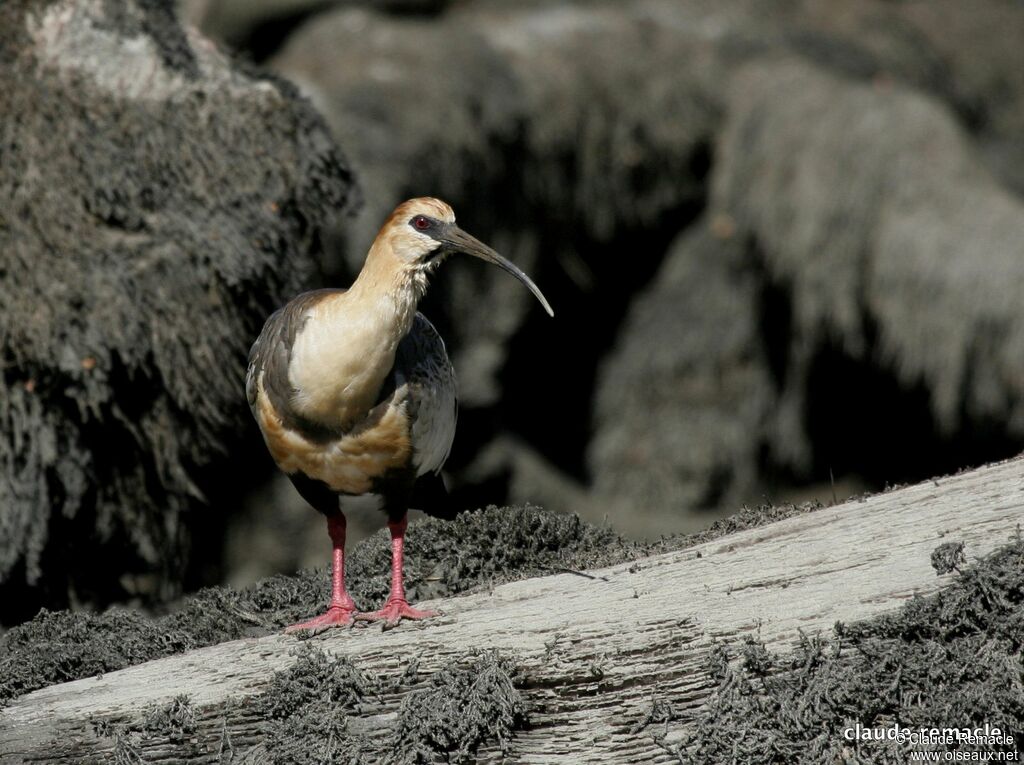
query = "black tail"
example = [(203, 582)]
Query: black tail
[(430, 495)]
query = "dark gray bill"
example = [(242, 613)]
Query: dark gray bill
[(459, 241)]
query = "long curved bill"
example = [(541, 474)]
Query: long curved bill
[(459, 241)]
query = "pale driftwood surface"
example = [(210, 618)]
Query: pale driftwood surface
[(595, 651)]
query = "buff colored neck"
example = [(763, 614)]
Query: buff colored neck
[(347, 347), (387, 284)]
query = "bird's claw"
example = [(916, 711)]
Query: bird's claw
[(393, 612), (335, 616)]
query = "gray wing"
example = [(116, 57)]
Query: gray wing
[(423, 368)]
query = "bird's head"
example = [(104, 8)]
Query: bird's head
[(421, 234)]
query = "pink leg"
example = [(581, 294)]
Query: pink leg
[(397, 607), (341, 609)]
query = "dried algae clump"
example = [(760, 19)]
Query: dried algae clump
[(469, 704), (306, 709)]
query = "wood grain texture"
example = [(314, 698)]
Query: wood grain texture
[(595, 651)]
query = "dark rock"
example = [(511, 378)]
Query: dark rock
[(902, 257), (260, 26), (682, 403), (158, 203), (850, 286), (979, 44), (978, 47)]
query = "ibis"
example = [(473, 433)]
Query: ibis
[(354, 392)]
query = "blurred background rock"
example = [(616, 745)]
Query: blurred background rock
[(784, 242)]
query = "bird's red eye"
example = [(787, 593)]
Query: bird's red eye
[(421, 222)]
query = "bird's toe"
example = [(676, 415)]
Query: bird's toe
[(393, 612), (335, 616)]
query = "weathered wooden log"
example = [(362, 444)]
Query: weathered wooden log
[(593, 650)]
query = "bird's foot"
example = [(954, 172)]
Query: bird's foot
[(335, 616), (393, 612)]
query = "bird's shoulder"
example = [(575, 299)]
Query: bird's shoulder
[(270, 355)]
